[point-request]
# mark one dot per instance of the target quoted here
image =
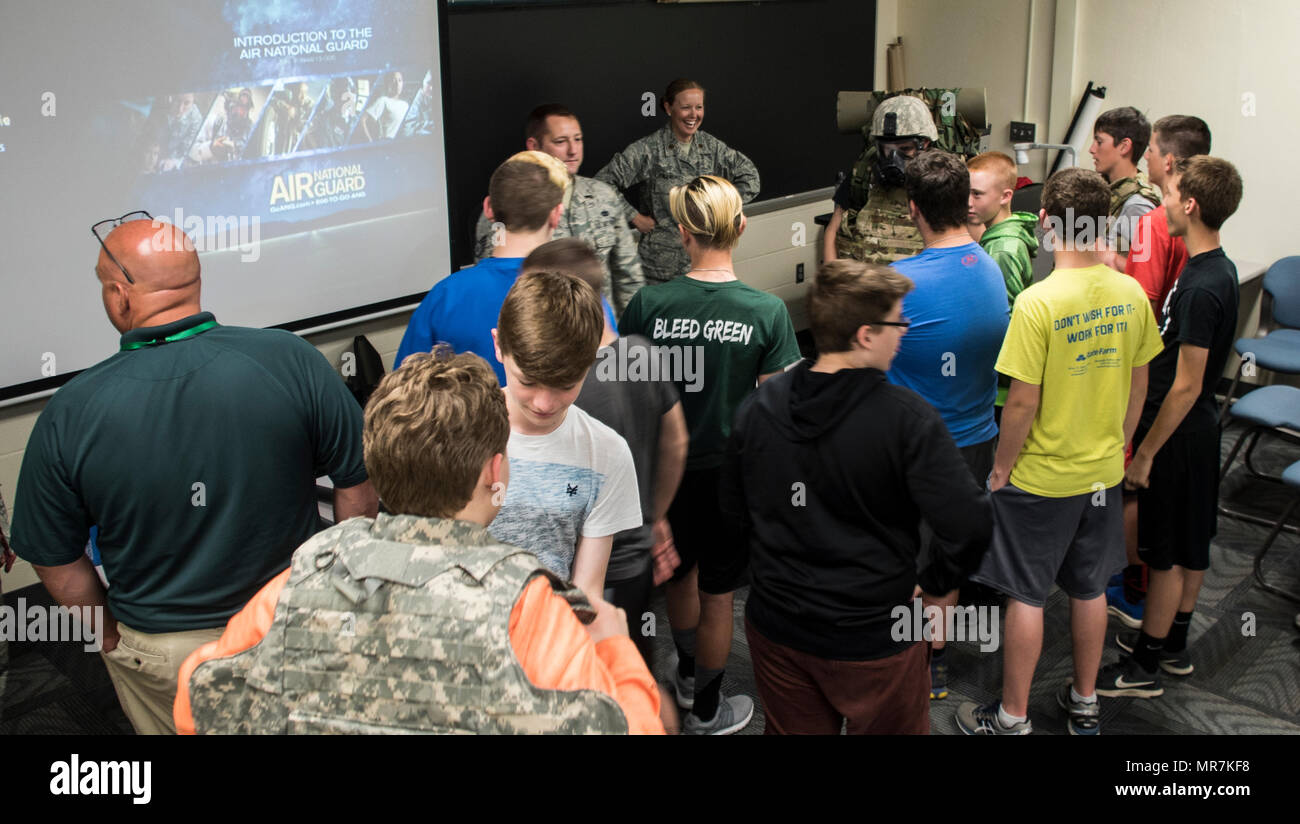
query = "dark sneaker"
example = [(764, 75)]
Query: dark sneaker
[(1129, 614), (1174, 663), (976, 720), (938, 678), (1085, 716), (1126, 678), (732, 716)]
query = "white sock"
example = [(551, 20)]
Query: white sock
[(1006, 719), (1074, 696)]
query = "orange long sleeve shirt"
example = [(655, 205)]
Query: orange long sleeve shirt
[(552, 646)]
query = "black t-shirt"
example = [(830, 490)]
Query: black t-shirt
[(625, 394), (1201, 310)]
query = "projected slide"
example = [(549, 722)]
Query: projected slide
[(298, 142)]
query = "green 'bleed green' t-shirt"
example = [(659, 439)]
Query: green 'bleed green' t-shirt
[(715, 339)]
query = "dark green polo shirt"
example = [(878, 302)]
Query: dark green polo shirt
[(197, 458)]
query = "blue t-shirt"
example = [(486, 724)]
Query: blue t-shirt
[(959, 317), (462, 310)]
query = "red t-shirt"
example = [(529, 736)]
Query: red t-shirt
[(1155, 259)]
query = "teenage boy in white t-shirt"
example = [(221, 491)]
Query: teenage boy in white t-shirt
[(572, 482)]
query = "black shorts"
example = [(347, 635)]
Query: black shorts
[(1178, 512), (702, 536)]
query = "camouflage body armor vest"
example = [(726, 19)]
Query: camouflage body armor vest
[(1122, 190), (881, 231), (376, 635)]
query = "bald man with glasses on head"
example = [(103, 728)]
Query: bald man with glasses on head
[(195, 450)]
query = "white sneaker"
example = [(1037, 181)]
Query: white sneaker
[(685, 689)]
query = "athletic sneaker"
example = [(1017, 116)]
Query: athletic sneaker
[(1174, 663), (1129, 614), (1127, 678), (1085, 716), (685, 688), (938, 678), (1116, 580), (976, 720), (732, 716)]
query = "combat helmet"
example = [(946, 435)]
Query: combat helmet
[(903, 116)]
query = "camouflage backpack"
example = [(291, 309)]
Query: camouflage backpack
[(400, 624)]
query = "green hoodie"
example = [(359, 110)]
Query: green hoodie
[(1012, 243)]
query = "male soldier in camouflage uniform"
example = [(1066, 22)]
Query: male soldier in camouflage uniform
[(421, 621), (1119, 139), (593, 210), (871, 222)]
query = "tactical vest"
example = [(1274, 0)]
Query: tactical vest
[(1122, 190), (383, 636), (881, 231)]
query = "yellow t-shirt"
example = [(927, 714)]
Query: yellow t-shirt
[(1078, 335)]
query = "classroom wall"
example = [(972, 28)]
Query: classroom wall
[(985, 44), (1232, 65), (766, 258)]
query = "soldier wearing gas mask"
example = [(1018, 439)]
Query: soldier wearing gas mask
[(871, 222)]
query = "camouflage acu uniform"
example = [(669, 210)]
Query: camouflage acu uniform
[(400, 624), (595, 212), (660, 161), (879, 230)]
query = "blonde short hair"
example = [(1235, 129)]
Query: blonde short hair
[(1001, 166), (430, 426), (710, 209)]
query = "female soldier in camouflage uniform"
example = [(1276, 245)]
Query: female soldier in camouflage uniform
[(674, 156)]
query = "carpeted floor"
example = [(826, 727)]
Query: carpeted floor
[(1242, 683)]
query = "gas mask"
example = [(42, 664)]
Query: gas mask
[(891, 159)]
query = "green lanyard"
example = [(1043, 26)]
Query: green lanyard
[(182, 335)]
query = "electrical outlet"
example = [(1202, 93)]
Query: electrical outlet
[(1022, 132), (798, 273)]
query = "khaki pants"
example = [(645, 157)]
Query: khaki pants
[(144, 669)]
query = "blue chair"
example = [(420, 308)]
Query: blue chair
[(1279, 350), (1272, 409), (1290, 477)]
